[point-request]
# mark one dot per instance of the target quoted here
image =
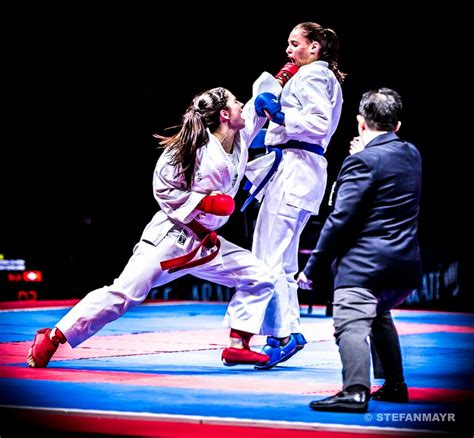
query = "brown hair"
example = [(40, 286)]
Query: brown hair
[(329, 43), (202, 113)]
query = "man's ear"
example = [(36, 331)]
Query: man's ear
[(397, 127), (361, 125)]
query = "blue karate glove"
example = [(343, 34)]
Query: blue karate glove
[(269, 102)]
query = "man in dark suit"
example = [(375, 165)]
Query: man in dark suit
[(371, 234)]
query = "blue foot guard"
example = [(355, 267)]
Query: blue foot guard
[(281, 353)]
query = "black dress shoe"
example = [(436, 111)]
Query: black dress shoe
[(343, 402), (392, 392)]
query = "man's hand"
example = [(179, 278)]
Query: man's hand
[(303, 281), (356, 146)]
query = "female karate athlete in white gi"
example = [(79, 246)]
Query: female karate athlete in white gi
[(194, 183), (311, 102)]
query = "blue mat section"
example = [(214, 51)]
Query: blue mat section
[(142, 319), (177, 316), (442, 318), (212, 403), (439, 360)]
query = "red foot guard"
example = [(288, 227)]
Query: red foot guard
[(234, 356), (43, 348)]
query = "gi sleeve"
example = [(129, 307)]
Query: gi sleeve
[(173, 197)]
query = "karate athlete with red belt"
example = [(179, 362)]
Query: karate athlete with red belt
[(194, 183)]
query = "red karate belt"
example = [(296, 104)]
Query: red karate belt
[(208, 238)]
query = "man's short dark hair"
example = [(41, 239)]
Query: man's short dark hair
[(381, 109)]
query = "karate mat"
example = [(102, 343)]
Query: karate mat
[(156, 371)]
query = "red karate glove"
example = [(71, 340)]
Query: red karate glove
[(287, 72), (220, 205)]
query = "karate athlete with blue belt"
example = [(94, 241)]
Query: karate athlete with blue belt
[(304, 105)]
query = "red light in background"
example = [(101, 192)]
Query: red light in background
[(33, 276), (14, 277)]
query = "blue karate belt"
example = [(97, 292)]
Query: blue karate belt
[(278, 149)]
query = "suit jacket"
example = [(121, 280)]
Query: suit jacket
[(372, 231)]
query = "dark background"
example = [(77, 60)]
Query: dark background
[(83, 94)]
